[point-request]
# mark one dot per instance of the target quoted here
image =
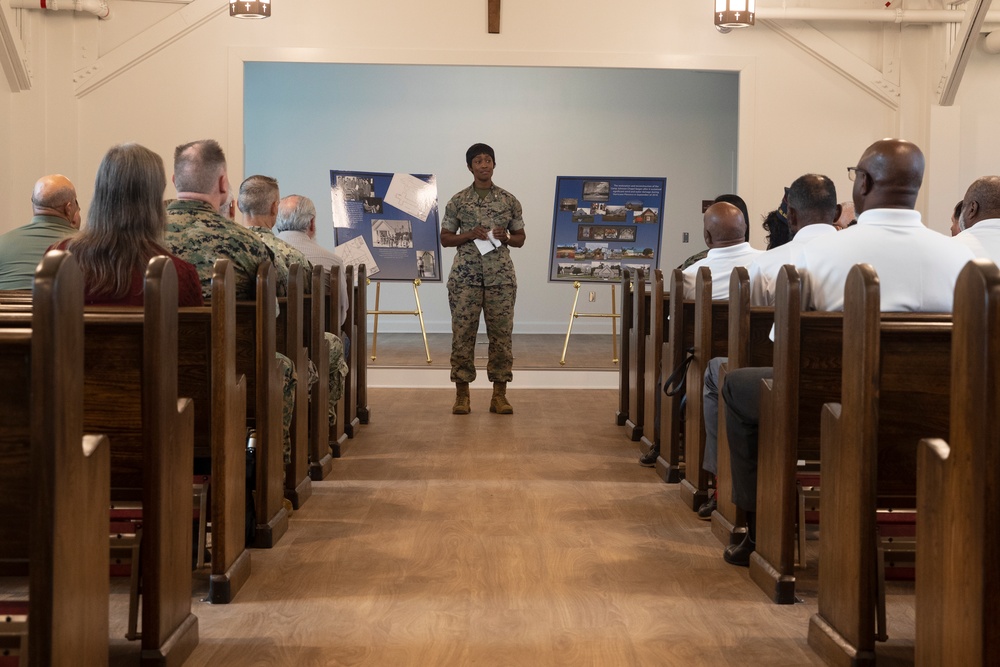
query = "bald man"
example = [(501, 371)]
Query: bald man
[(725, 234), (980, 219), (56, 215), (917, 270)]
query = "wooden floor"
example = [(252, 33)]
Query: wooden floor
[(532, 539)]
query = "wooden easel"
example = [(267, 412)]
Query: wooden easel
[(612, 315), (418, 312)]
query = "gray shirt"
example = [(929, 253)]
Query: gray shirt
[(21, 249)]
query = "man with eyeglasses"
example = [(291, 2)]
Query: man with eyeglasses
[(917, 270), (55, 215)]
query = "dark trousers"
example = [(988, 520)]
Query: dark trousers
[(741, 391)]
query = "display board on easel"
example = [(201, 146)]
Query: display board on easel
[(603, 224), (389, 222)]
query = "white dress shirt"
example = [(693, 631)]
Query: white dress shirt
[(764, 270), (917, 267), (983, 239), (721, 261), (317, 254)]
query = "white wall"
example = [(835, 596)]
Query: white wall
[(796, 113)]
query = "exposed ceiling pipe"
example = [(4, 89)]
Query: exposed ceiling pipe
[(98, 8), (908, 16)]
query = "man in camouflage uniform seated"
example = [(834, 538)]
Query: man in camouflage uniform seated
[(482, 283), (198, 234), (258, 201)]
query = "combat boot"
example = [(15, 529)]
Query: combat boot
[(461, 406), (499, 403)]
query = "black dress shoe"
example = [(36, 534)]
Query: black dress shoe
[(649, 458), (706, 509), (739, 554)]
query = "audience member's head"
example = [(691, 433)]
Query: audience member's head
[(847, 217), (956, 218), (888, 175), (738, 202), (812, 200), (126, 220), (258, 200), (55, 195), (200, 172), (475, 150), (296, 214), (724, 226), (776, 228), (982, 201)]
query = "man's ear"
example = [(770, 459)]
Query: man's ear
[(312, 225), (274, 207), (971, 212), (838, 213)]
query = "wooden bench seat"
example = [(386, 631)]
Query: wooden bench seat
[(671, 463), (625, 348), (749, 346), (55, 480), (896, 384), (638, 332), (957, 491), (290, 341), (657, 308), (255, 358), (206, 367)]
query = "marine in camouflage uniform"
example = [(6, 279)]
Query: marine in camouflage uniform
[(286, 254), (198, 234), (482, 283)]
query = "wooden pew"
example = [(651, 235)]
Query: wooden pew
[(255, 349), (206, 364), (896, 380), (351, 421), (659, 302), (339, 436), (624, 353), (670, 465), (958, 495), (638, 330), (290, 339), (361, 332), (55, 480), (130, 393), (749, 346), (711, 339), (314, 324)]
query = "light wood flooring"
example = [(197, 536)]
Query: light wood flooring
[(533, 539)]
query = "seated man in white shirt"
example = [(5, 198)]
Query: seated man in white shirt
[(812, 210), (725, 231), (296, 226), (979, 219), (917, 270)]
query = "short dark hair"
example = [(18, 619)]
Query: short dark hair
[(814, 193), (479, 149)]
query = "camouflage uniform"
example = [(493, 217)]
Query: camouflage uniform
[(286, 255), (482, 283), (198, 234)]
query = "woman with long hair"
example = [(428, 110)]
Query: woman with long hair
[(124, 230)]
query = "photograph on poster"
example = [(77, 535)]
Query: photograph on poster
[(426, 265), (596, 190), (392, 233), (356, 188), (388, 220), (584, 248)]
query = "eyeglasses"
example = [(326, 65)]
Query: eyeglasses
[(852, 173)]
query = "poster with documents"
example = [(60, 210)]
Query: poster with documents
[(389, 222), (603, 224)]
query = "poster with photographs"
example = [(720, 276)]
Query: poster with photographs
[(601, 225), (389, 222)]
